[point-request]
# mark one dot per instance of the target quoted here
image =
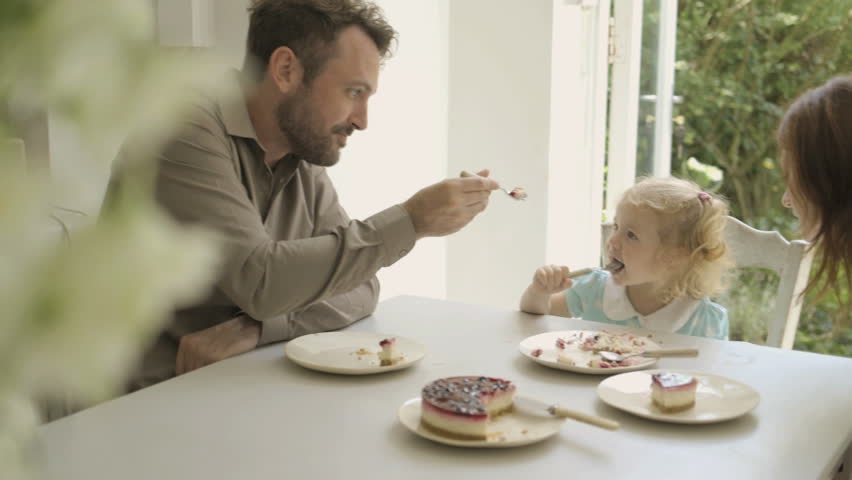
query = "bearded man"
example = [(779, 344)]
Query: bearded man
[(251, 166)]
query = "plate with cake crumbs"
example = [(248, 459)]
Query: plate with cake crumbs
[(577, 350), (676, 396), (510, 429), (354, 353)]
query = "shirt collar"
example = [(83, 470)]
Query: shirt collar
[(670, 318), (235, 114)]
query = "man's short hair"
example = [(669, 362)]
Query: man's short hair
[(309, 28)]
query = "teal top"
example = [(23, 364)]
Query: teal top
[(596, 297)]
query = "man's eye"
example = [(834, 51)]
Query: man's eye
[(632, 236), (355, 92), (615, 227)]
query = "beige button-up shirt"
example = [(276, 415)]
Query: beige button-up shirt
[(293, 259)]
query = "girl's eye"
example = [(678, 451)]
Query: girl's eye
[(632, 236), (355, 92)]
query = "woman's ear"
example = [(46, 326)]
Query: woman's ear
[(285, 69)]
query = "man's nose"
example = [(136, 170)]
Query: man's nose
[(358, 119)]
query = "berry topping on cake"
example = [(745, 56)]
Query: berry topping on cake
[(462, 406), (672, 392)]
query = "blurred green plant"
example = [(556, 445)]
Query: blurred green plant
[(739, 63), (76, 314), (708, 177)]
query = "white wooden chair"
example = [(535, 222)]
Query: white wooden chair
[(791, 260), (752, 248)]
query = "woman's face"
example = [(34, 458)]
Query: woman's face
[(802, 210)]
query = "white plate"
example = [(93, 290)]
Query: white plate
[(547, 343), (716, 399), (350, 353), (511, 429)]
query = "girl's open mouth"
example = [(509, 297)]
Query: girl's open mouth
[(615, 265)]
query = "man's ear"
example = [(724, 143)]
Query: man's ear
[(285, 69)]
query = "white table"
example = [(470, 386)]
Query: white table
[(258, 416)]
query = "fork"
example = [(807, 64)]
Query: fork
[(663, 352), (511, 193), (611, 266)]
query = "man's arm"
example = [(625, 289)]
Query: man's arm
[(198, 183), (331, 314), (243, 333), (335, 312)]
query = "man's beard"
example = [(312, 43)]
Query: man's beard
[(301, 125)]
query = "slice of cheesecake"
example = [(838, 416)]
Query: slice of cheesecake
[(388, 354), (462, 406), (673, 392)]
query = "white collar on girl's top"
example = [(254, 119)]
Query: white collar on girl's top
[(670, 318)]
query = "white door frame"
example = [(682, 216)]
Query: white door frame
[(665, 88), (625, 95), (624, 100)]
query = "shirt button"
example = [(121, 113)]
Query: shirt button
[(402, 252)]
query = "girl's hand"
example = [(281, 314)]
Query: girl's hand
[(552, 279)]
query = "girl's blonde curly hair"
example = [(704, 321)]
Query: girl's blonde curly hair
[(691, 220)]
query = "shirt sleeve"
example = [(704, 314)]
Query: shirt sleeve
[(583, 290), (709, 320), (335, 313), (340, 310), (197, 182)]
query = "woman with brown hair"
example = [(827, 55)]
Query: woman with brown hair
[(815, 137)]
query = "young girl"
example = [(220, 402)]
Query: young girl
[(667, 254)]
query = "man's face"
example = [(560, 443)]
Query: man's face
[(317, 119)]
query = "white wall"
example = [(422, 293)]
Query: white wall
[(230, 26), (499, 116), (520, 104), (405, 146), (577, 133)]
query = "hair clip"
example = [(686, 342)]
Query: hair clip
[(704, 197)]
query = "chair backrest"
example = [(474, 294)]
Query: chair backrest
[(791, 260), (752, 248)]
